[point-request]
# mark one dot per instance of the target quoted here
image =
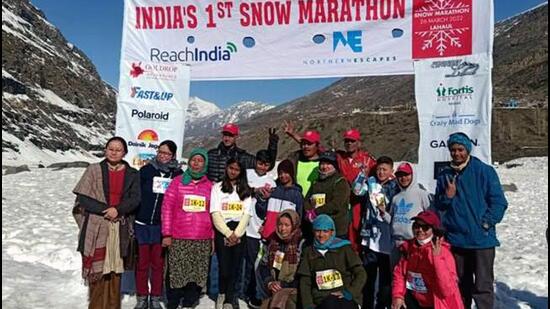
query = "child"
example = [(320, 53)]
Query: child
[(376, 232)]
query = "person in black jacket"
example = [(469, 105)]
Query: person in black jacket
[(227, 149), (154, 179)]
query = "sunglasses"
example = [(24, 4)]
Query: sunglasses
[(424, 227)]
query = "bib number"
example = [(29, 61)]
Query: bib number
[(160, 184), (232, 209), (319, 200), (278, 261), (329, 279), (194, 203), (416, 283)]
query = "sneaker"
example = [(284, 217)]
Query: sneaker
[(156, 302), (227, 306), (142, 302), (219, 301)]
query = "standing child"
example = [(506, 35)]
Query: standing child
[(230, 209), (376, 233)]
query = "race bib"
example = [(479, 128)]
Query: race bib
[(329, 279), (278, 261), (319, 199), (232, 209), (160, 184), (416, 283), (194, 203)]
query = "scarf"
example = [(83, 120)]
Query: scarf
[(165, 167), (190, 175), (325, 223), (459, 168), (289, 244)]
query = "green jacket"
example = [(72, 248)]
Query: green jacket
[(337, 192), (344, 260)]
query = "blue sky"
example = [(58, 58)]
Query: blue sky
[(96, 28)]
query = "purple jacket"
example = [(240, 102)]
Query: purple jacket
[(186, 210)]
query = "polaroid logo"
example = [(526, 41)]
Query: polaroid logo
[(352, 39), (145, 115)]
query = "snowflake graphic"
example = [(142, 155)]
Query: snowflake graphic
[(442, 39)]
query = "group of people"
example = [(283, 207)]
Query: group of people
[(322, 234)]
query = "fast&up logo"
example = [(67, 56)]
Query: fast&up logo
[(145, 94)]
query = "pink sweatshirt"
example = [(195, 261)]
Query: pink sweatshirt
[(186, 210), (432, 279)]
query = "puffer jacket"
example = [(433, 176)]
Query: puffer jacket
[(218, 157), (180, 224), (432, 279), (148, 212)]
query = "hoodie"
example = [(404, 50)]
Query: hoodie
[(405, 205)]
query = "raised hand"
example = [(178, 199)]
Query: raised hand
[(450, 190), (436, 245)]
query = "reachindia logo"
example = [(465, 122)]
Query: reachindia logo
[(190, 54)]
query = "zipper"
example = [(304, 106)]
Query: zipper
[(156, 202)]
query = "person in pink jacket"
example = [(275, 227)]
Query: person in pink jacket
[(425, 277), (188, 232)]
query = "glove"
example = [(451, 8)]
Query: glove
[(311, 215)]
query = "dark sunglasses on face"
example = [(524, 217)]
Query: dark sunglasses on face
[(424, 227), (228, 134)]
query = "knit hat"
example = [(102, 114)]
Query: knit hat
[(330, 157), (189, 175), (288, 167), (460, 138)]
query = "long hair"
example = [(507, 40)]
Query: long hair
[(243, 190)]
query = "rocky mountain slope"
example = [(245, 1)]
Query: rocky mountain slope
[(53, 99)]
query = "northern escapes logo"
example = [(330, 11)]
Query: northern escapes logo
[(140, 93), (145, 115), (190, 54), (353, 39)]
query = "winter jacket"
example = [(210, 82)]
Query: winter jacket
[(344, 260), (375, 231), (405, 205), (218, 157), (193, 223), (431, 279), (336, 191), (281, 199), (350, 166), (479, 201), (148, 212)]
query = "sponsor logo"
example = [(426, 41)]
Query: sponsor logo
[(145, 115), (351, 39), (458, 67), (454, 96), (154, 71), (145, 94), (455, 119), (190, 54), (435, 144)]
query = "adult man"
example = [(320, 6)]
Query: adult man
[(227, 149), (351, 161), (471, 198), (306, 160)]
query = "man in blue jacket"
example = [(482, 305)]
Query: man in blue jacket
[(471, 199)]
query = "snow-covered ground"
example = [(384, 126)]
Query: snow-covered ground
[(41, 269)]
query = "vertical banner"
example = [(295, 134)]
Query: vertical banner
[(151, 107), (452, 95)]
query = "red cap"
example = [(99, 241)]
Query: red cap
[(429, 217), (231, 128), (404, 168), (312, 136), (353, 134)]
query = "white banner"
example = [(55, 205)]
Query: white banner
[(152, 106), (452, 95), (265, 39)]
